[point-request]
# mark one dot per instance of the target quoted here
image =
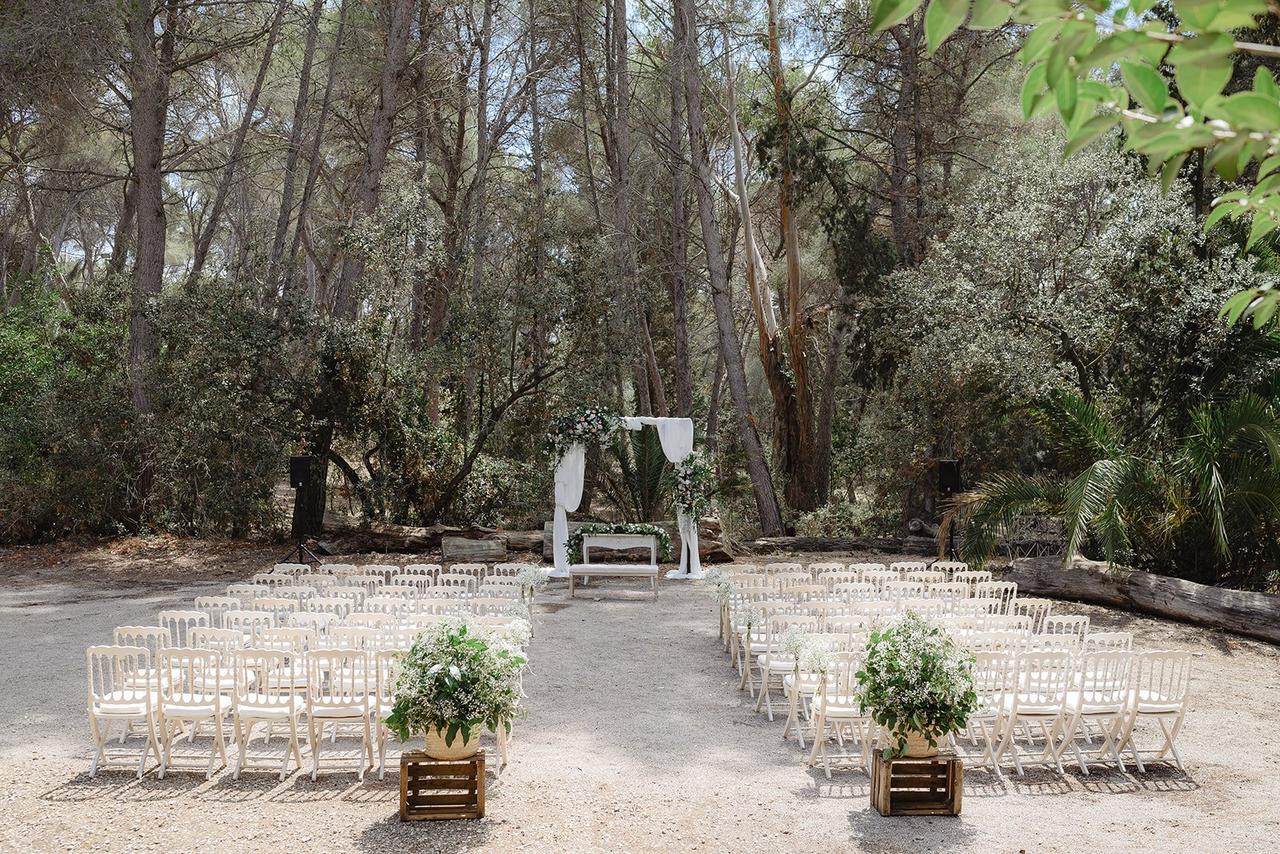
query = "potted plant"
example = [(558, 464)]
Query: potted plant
[(454, 682), (917, 684)]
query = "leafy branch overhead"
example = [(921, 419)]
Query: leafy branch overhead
[(1101, 66)]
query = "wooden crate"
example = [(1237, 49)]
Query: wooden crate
[(431, 789), (931, 786)]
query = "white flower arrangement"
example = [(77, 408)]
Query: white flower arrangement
[(531, 578), (794, 642), (815, 658), (581, 426), (518, 632), (722, 585), (693, 476)]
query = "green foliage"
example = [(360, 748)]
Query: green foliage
[(573, 547), (1073, 53), (1207, 503), (915, 679), (456, 681)]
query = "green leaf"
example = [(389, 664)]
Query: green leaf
[(1146, 86), (1108, 50), (1039, 42), (1202, 66), (886, 13), (1067, 96), (1169, 172), (1246, 111), (450, 733), (988, 14), (1263, 225), (943, 18), (1089, 131), (1033, 90), (1265, 84)]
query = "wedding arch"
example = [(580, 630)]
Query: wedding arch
[(676, 437)]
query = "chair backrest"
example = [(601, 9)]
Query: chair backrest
[(1002, 591), (949, 566), (855, 591), (180, 622), (354, 592), (445, 591), (317, 621), (370, 582), (842, 675), (403, 591), (385, 604), (370, 619), (352, 637), (384, 570), (1076, 625), (818, 569), (930, 609), (1044, 677), (386, 663), (279, 608), (329, 605), (503, 591), (948, 590), (475, 570), (994, 675), (1161, 678), (490, 605), (508, 569), (417, 582), (295, 640), (927, 576), (337, 678), (291, 568), (971, 576), (222, 640), (117, 674), (879, 576), (265, 677), (1101, 641), (985, 641), (904, 590), (429, 569), (247, 623), (902, 567), (1018, 624), (465, 580), (215, 606), (297, 592), (187, 675), (339, 570), (150, 638), (1103, 679), (779, 567), (1036, 609), (246, 593)]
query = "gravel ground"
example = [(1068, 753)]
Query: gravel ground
[(636, 740)]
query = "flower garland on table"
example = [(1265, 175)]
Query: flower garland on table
[(579, 427), (573, 548), (693, 481)]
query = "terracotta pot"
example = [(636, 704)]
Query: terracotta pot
[(918, 746), (460, 749)]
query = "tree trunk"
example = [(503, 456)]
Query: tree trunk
[(149, 82), (761, 482), (210, 228), (679, 247), (295, 144), (292, 279), (901, 207), (365, 202)]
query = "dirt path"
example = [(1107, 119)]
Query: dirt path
[(636, 740)]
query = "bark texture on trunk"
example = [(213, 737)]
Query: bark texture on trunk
[(735, 373), (365, 199)]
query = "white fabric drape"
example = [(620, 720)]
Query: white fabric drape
[(569, 474), (676, 436)]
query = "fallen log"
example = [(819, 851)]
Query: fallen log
[(1255, 615), (371, 535)]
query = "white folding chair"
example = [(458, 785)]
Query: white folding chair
[(1036, 609), (180, 622), (192, 691), (386, 663), (215, 607), (1038, 698), (1100, 698), (265, 692), (338, 683), (119, 693), (838, 715), (1107, 641), (1159, 691), (1003, 592), (385, 570)]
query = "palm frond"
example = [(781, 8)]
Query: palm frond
[(1077, 429), (990, 509)]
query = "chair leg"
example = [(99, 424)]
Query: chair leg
[(153, 741), (315, 747), (368, 746), (242, 736), (293, 740), (98, 740)]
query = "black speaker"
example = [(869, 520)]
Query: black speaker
[(300, 471), (949, 477)]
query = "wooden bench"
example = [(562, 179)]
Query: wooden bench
[(613, 570), (587, 569)]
